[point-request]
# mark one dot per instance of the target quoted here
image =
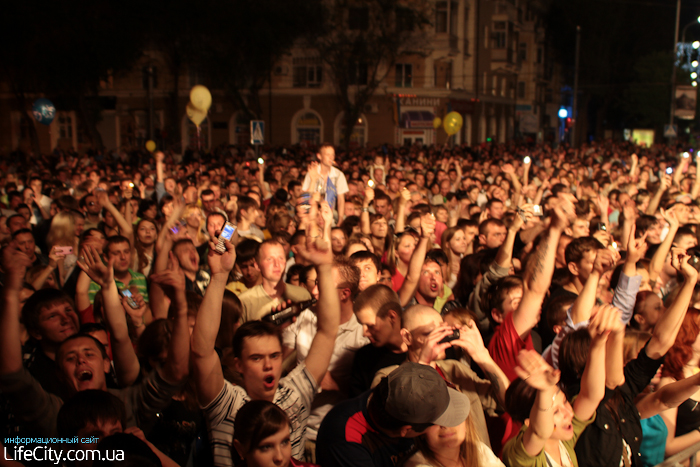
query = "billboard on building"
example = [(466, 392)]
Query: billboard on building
[(686, 101)]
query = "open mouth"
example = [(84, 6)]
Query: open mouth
[(269, 381), (85, 375)]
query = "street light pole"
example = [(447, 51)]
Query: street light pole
[(575, 104), (673, 70)]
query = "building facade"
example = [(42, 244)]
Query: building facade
[(486, 59)]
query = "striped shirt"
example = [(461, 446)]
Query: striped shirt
[(138, 280), (294, 395)]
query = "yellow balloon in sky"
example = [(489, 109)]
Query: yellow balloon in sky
[(452, 123), (150, 145), (200, 97), (195, 115), (437, 122)]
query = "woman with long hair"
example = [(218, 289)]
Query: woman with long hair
[(261, 436), (457, 446), (683, 361), (62, 235), (399, 256), (144, 252), (195, 223), (454, 244)]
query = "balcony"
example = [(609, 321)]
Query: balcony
[(448, 42)]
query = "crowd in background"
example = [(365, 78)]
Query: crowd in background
[(453, 306)]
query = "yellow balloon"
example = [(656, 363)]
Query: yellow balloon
[(437, 122), (150, 145), (195, 115), (452, 123), (200, 97)]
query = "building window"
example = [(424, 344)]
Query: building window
[(504, 84), (357, 74), (308, 72), (486, 82), (404, 75), (65, 125), (308, 127), (521, 90), (144, 77), (498, 37), (405, 20), (540, 55), (494, 85), (446, 17), (522, 51), (358, 19)]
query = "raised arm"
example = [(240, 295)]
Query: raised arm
[(206, 366), (538, 275), (667, 327), (160, 176), (538, 374), (126, 228), (504, 257), (404, 196), (664, 184), (408, 288), (583, 305), (172, 281), (318, 252), (15, 264), (603, 323), (659, 258), (668, 396), (126, 364), (364, 216)]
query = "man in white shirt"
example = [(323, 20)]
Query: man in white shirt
[(299, 336), (328, 180)]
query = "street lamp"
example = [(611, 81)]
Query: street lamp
[(697, 20), (675, 55)]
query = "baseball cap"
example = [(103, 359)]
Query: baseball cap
[(418, 394)]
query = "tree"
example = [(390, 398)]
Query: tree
[(360, 41)]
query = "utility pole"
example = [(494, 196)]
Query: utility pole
[(575, 104), (673, 70)]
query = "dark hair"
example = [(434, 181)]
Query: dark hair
[(556, 309), (258, 420), (39, 301), (253, 329), (246, 250), (91, 406), (579, 246), (231, 310), (113, 240), (245, 203), (520, 397), (294, 270), (304, 273), (20, 231), (366, 255), (81, 335), (375, 297), (497, 292), (573, 354)]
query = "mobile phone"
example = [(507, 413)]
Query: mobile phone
[(602, 227), (64, 250), (615, 246), (176, 228), (669, 170), (452, 337), (526, 160), (226, 234), (260, 161), (694, 261), (537, 209), (686, 155), (129, 298)]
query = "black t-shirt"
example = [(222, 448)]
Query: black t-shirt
[(368, 361), (348, 438)]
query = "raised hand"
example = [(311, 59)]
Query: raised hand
[(326, 213), (679, 261), (405, 196), (14, 264), (369, 195), (432, 349), (605, 260), (221, 264), (172, 279), (635, 246), (670, 217), (427, 225), (535, 371), (136, 314), (91, 263), (606, 319), (470, 340)]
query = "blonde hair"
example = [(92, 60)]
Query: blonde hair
[(201, 236), (62, 230), (468, 450)]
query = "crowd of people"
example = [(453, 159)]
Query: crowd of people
[(494, 305)]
